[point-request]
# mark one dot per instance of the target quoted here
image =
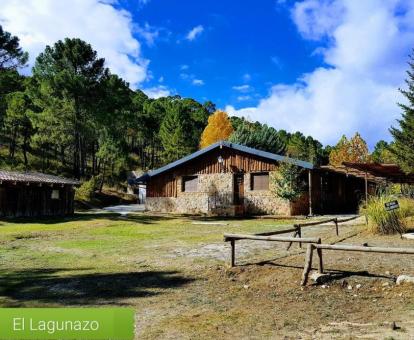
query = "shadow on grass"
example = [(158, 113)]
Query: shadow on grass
[(48, 286), (143, 219)]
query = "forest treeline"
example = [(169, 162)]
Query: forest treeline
[(73, 117)]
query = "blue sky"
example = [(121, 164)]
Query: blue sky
[(323, 67), (239, 45)]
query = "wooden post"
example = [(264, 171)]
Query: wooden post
[(233, 252), (308, 264), (320, 263), (294, 235), (300, 235), (310, 192), (336, 226), (366, 189)]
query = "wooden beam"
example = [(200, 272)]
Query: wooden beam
[(308, 264), (310, 192), (308, 224), (269, 233), (233, 252), (230, 237), (366, 188), (349, 247)]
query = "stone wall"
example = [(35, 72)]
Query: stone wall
[(215, 196), (259, 202)]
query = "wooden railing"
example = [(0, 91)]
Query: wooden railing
[(343, 247), (295, 238)]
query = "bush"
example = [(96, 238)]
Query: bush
[(86, 191), (381, 221), (288, 183)]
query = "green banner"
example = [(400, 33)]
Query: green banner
[(66, 323)]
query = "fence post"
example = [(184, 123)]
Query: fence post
[(300, 235), (336, 226), (294, 235), (320, 263), (308, 264), (233, 252)]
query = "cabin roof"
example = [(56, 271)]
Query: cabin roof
[(238, 147), (34, 177)]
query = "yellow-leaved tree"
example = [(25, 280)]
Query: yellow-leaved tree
[(218, 128), (354, 150)]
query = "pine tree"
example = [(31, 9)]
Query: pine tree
[(70, 88), (175, 135), (403, 147), (260, 137), (218, 128), (18, 124), (11, 54), (382, 153)]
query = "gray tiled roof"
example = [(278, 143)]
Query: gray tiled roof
[(34, 177), (242, 148)]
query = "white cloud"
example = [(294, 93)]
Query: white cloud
[(157, 91), (195, 32), (148, 33), (198, 82), (243, 98), (242, 88), (106, 28), (184, 67), (365, 45)]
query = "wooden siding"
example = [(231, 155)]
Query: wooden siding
[(165, 184), (336, 193), (22, 200)]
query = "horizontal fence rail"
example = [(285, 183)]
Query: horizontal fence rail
[(343, 247), (295, 238), (232, 238)]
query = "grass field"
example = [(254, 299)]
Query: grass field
[(173, 272)]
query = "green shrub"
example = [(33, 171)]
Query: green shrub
[(86, 191), (288, 183), (381, 221)]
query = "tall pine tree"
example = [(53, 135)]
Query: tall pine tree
[(403, 147), (175, 134)]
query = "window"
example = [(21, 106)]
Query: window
[(259, 181), (189, 183), (55, 194)]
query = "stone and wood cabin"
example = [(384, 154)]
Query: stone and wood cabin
[(223, 179), (31, 194), (230, 179)]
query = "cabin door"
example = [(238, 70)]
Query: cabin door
[(239, 193)]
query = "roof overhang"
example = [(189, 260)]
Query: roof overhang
[(373, 172), (388, 172), (263, 154)]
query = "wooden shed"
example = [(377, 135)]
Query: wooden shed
[(31, 194)]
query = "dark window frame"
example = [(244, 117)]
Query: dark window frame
[(192, 187), (254, 187)]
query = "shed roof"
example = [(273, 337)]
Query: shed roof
[(34, 177), (238, 147), (389, 172)]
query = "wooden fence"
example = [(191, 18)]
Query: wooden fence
[(295, 238), (232, 238), (343, 247)]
